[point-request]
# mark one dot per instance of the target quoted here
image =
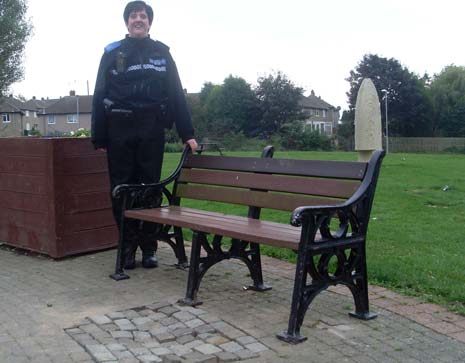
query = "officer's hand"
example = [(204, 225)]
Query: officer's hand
[(193, 144), (101, 149)]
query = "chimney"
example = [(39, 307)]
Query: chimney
[(313, 93), (33, 97), (72, 93)]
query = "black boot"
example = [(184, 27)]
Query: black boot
[(149, 260)]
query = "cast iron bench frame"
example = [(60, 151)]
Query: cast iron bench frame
[(319, 193)]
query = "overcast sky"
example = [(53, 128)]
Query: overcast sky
[(315, 43)]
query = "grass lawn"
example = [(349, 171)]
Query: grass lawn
[(416, 241)]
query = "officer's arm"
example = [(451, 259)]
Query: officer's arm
[(178, 103), (98, 124)]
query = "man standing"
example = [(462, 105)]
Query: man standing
[(137, 95)]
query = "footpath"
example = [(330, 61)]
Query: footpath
[(71, 311)]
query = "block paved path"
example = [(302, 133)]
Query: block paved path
[(70, 311)]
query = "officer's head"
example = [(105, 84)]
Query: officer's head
[(138, 17)]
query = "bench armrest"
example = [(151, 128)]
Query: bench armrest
[(355, 211), (124, 190)]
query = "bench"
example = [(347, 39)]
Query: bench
[(329, 204)]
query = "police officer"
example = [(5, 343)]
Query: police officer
[(137, 95)]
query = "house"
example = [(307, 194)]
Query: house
[(12, 116), (319, 115), (48, 117), (33, 114), (67, 114)]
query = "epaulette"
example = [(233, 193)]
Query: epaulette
[(112, 46)]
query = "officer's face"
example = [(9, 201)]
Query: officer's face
[(138, 24)]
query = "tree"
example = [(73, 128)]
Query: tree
[(408, 105), (447, 92), (346, 130), (278, 101), (227, 108), (238, 106), (14, 32)]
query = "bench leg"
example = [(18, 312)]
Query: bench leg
[(359, 288), (120, 256), (193, 280), (255, 268), (292, 335)]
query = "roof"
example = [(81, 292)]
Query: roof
[(313, 101), (10, 104), (35, 104), (70, 104)]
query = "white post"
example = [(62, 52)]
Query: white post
[(368, 135)]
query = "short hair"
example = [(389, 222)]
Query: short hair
[(137, 6)]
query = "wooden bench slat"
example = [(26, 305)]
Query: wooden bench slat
[(282, 183), (231, 216), (218, 219), (244, 228), (286, 202), (198, 213), (318, 168)]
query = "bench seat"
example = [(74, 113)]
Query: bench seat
[(241, 228)]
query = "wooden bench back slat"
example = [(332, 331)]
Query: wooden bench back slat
[(286, 202), (316, 168), (280, 183)]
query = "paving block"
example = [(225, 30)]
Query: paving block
[(168, 310), (160, 351), (226, 357), (246, 339), (256, 347), (149, 358), (100, 353), (207, 349), (231, 347), (100, 319)]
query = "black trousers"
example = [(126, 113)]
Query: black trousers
[(135, 155)]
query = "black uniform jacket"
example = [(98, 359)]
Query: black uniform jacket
[(139, 75)]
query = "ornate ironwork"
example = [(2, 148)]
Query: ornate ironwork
[(144, 196), (338, 257), (245, 251)]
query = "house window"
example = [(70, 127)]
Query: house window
[(72, 119), (317, 112), (27, 113), (318, 126), (324, 113), (35, 114), (328, 129), (51, 119), (6, 118)]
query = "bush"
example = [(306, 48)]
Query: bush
[(294, 136), (34, 132), (174, 147), (81, 132)]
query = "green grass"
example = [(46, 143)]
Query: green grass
[(416, 241)]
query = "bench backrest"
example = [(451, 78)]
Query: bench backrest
[(281, 184)]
